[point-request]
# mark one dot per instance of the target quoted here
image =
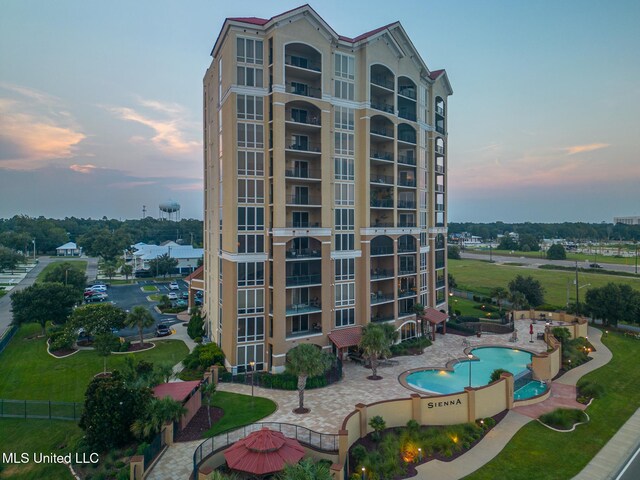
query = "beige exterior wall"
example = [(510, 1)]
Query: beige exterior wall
[(283, 327)]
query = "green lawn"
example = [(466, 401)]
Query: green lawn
[(80, 265), (156, 296), (482, 277), (44, 436), (581, 257), (540, 453), (30, 373), (149, 288), (239, 410)]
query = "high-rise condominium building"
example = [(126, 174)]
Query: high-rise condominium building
[(325, 161)]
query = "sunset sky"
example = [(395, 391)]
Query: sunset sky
[(100, 102)]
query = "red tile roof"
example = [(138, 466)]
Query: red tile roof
[(197, 273), (346, 337), (435, 316), (251, 20), (366, 34), (179, 391), (435, 74)]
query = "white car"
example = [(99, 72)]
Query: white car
[(172, 296), (98, 288), (174, 286)]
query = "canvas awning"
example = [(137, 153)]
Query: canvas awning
[(346, 337)]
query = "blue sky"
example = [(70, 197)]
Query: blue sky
[(100, 102)]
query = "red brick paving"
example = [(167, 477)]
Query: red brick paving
[(562, 396)]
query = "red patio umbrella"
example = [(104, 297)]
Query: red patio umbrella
[(262, 452), (531, 329)]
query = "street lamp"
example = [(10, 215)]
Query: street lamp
[(34, 249), (252, 364), (363, 474), (470, 357)]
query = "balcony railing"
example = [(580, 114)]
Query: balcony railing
[(382, 318), (439, 207), (439, 168), (440, 149), (407, 182), (377, 224), (302, 224), (440, 111), (408, 271), (407, 293), (302, 308), (406, 249), (407, 159), (303, 89), (301, 62), (382, 131), (385, 107), (303, 200), (378, 273), (409, 92), (440, 188), (440, 129), (305, 119), (382, 155), (303, 146), (303, 253), (381, 203), (302, 173), (407, 224), (299, 280), (304, 333), (440, 284), (407, 138), (403, 312), (406, 203), (382, 82), (382, 179), (377, 298), (408, 114), (377, 251)]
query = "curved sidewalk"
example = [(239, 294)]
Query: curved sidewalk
[(493, 443)]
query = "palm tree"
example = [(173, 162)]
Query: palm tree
[(160, 411), (418, 308), (164, 371), (500, 294), (375, 344), (141, 318), (518, 300), (305, 470), (126, 270), (306, 360)]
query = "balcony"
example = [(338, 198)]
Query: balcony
[(407, 138), (382, 318), (382, 81), (383, 107), (381, 274), (381, 202), (407, 182), (382, 131), (407, 92), (441, 284), (310, 147), (439, 207), (406, 293), (440, 149), (407, 159), (303, 253), (303, 308), (303, 224), (440, 188), (302, 62), (440, 128), (303, 89), (406, 249), (381, 251), (381, 179), (407, 224), (303, 173), (304, 333), (439, 168), (381, 155), (407, 271), (301, 280), (407, 114), (379, 298), (306, 200), (298, 119), (407, 204)]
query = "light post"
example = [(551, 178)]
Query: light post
[(252, 364), (363, 474), (490, 250), (34, 249), (470, 357), (577, 292)]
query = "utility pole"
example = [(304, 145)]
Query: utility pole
[(577, 292)]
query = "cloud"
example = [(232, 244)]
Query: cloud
[(585, 148), (172, 134), (86, 168), (34, 128), (131, 184)]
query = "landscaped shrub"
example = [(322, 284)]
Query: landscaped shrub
[(378, 424), (411, 346), (563, 418), (204, 356), (495, 375), (467, 319), (588, 389), (547, 307)]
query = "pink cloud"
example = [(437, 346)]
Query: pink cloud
[(86, 168), (585, 148)]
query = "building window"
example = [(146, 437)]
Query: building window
[(408, 331), (250, 274), (344, 219), (300, 323), (248, 354), (345, 294), (344, 118), (344, 194), (345, 317), (250, 301), (440, 296), (345, 241), (250, 329), (250, 163), (343, 143), (250, 107), (250, 135), (439, 259), (344, 76), (250, 76), (249, 50), (250, 219), (251, 243), (344, 169), (250, 190), (345, 269)]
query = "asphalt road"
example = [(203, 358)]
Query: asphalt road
[(631, 470), (535, 262)]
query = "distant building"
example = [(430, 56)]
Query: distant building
[(186, 255), (69, 249), (634, 220)]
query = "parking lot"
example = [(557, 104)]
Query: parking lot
[(128, 296)]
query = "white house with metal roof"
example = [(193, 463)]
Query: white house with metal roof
[(69, 249), (186, 255)]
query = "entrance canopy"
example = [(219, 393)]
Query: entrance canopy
[(346, 337)]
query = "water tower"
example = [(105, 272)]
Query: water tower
[(169, 210)]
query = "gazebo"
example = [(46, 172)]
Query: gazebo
[(434, 317), (263, 452)]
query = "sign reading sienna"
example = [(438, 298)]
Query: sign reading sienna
[(445, 403)]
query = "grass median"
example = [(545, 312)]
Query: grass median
[(537, 452)]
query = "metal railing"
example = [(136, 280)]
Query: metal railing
[(383, 179), (379, 155), (44, 409), (309, 173), (378, 273), (384, 107), (377, 298), (303, 200), (152, 450), (407, 114), (409, 92), (407, 293), (440, 111), (406, 204), (382, 318), (384, 82), (407, 224), (407, 138), (303, 146), (324, 442), (303, 253), (301, 62), (407, 160), (381, 203), (381, 250), (410, 271), (439, 188), (439, 168), (407, 182), (382, 131), (307, 120), (304, 90), (300, 224), (406, 249), (377, 224), (296, 280)]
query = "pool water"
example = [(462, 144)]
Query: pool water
[(490, 358), (530, 390)]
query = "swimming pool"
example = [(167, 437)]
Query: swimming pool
[(530, 390), (489, 358)]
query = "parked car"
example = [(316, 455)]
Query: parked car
[(179, 303), (172, 296), (96, 297), (162, 330), (174, 286), (98, 287), (198, 302), (184, 295), (595, 265)]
